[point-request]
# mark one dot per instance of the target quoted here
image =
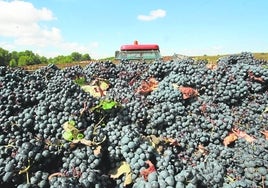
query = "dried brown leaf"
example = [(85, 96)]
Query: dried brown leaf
[(97, 151), (254, 78), (145, 173), (187, 92), (124, 168), (147, 86), (211, 66), (244, 135), (265, 132), (229, 139)]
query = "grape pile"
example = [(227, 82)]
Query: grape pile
[(192, 126)]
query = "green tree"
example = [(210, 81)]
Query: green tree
[(22, 60), (42, 59), (51, 60), (26, 60), (27, 57), (85, 57), (13, 63), (61, 59), (76, 56), (14, 55), (67, 59), (4, 57), (31, 58)]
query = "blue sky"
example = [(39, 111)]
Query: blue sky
[(99, 28)]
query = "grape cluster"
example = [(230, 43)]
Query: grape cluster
[(105, 70), (182, 137)]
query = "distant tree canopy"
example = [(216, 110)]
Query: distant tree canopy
[(4, 56), (27, 57)]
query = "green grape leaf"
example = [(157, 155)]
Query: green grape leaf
[(80, 81), (69, 126), (107, 105), (71, 122), (68, 135), (80, 136), (70, 131)]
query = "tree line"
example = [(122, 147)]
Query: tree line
[(27, 57)]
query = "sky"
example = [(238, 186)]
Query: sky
[(187, 27)]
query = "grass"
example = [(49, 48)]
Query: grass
[(261, 56), (210, 59)]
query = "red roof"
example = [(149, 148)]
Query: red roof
[(136, 46)]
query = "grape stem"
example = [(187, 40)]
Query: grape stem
[(8, 146), (83, 110), (231, 179), (262, 181), (26, 170), (55, 174), (96, 125)]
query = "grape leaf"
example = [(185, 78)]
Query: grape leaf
[(97, 151), (106, 105), (155, 140), (94, 91), (211, 66), (67, 135), (147, 86), (145, 173), (244, 135), (79, 136), (87, 88), (158, 142), (97, 88), (80, 81), (265, 132), (84, 141), (103, 85), (187, 92), (201, 149), (70, 131), (254, 78), (124, 168), (170, 141), (229, 139), (71, 122)]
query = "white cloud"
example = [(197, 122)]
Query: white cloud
[(21, 28), (19, 20), (23, 12), (154, 14)]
